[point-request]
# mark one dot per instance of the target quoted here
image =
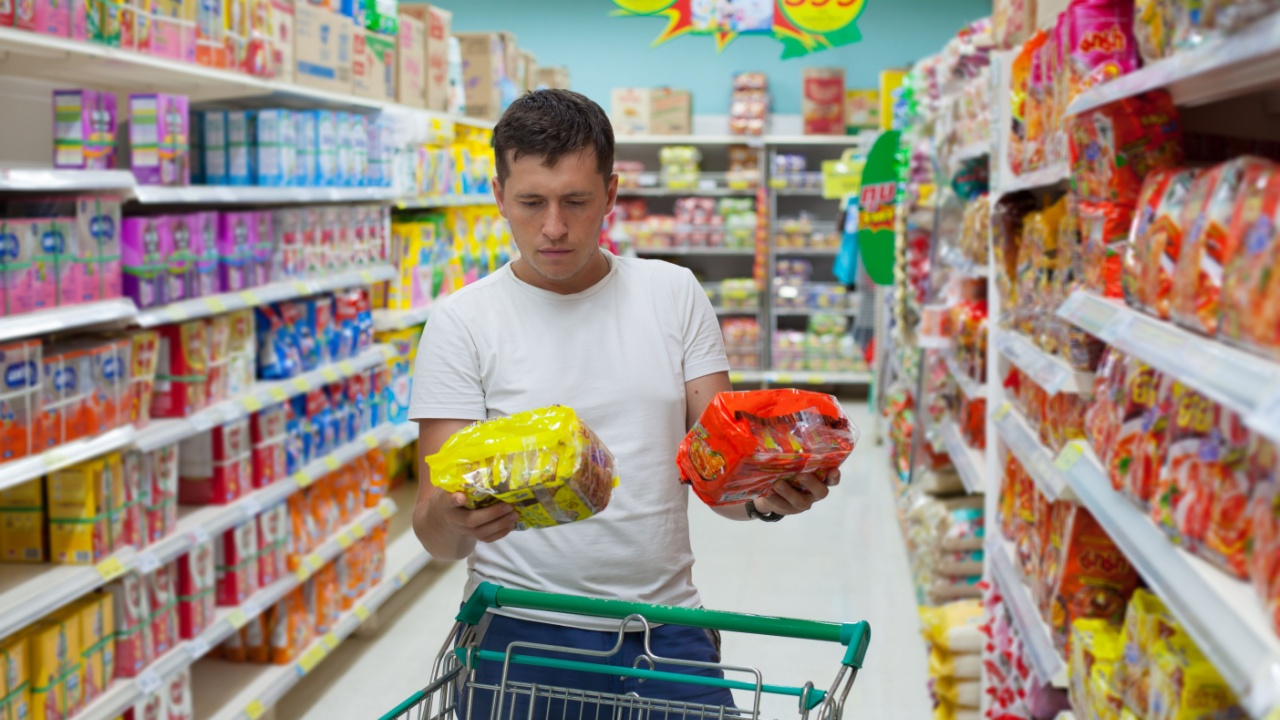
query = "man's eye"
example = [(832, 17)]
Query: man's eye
[(576, 203), (531, 203)]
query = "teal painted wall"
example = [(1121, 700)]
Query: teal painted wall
[(605, 52)]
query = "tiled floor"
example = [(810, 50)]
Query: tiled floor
[(843, 561)]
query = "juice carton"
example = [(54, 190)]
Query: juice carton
[(178, 704), (20, 266), (287, 226), (255, 633), (196, 586), (19, 398), (6, 15), (236, 238), (174, 30), (216, 467), (241, 139), (79, 503), (204, 225), (55, 390), (219, 334), (56, 692), (161, 471), (107, 405), (58, 241), (131, 602), (134, 480), (327, 150), (236, 564), (242, 357), (142, 244), (273, 542), (236, 21), (163, 598), (144, 356), (264, 248), (182, 276), (182, 370), (328, 598), (15, 678), (330, 238), (22, 523), (76, 385), (98, 227), (267, 433), (84, 130), (114, 479), (50, 17), (306, 127), (97, 644), (214, 146), (211, 33), (343, 157), (270, 164), (159, 139)]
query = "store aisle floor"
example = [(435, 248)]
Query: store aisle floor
[(844, 561)]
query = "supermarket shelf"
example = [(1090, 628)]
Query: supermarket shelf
[(807, 252), (124, 693), (1035, 458), (971, 152), (1043, 178), (696, 251), (253, 689), (803, 377), (831, 140), (1047, 664), (686, 192), (1251, 387), (443, 201), (80, 63), (400, 319), (1222, 613), (1217, 69), (971, 388), (969, 462), (258, 195), (403, 434), (164, 432), (799, 191), (753, 140), (810, 312), (16, 472), (28, 592), (71, 317), (49, 180), (746, 376), (737, 311), (1052, 374), (253, 297)]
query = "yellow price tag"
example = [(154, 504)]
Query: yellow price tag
[(251, 403), (54, 459), (362, 612), (255, 710), (817, 380), (302, 288), (384, 511), (358, 531), (303, 478), (739, 185), (302, 574), (1002, 412), (367, 277), (237, 619), (1069, 456), (403, 577), (177, 313), (777, 183), (329, 374), (784, 378), (736, 377), (345, 540), (330, 641), (347, 368), (301, 384), (331, 462), (314, 562), (371, 441), (310, 659), (250, 298), (111, 568), (278, 394), (435, 123), (215, 304)]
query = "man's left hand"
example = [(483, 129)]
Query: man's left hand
[(798, 493)]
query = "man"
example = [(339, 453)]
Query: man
[(633, 347)]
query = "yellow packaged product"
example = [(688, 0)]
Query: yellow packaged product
[(56, 693), (546, 463), (1186, 686), (82, 499), (1145, 620), (15, 680), (1094, 643), (97, 645), (22, 523), (1103, 700)]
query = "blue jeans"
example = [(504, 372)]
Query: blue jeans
[(668, 641)]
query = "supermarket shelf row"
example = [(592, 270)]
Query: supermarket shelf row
[(708, 190), (695, 251), (16, 472), (386, 320), (972, 389), (799, 377), (426, 202), (1046, 177), (27, 592), (1046, 662), (62, 319), (969, 462), (1251, 387), (1036, 459), (806, 252), (126, 692), (751, 140), (1221, 612), (810, 312), (1050, 372)]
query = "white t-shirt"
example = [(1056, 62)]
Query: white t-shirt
[(619, 354)]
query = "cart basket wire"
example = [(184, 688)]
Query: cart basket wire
[(437, 701)]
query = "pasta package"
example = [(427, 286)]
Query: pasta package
[(745, 441), (546, 463)]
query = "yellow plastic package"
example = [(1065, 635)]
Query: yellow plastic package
[(1144, 621), (1104, 701), (545, 463), (1094, 643), (15, 683), (1186, 686)]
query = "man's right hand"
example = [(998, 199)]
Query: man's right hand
[(486, 525)]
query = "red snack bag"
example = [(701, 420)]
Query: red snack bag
[(1209, 246), (1181, 502), (1096, 578), (1227, 537), (1104, 230), (1250, 313), (1156, 240), (1129, 473), (1263, 561), (746, 441), (196, 585), (163, 601), (1115, 146)]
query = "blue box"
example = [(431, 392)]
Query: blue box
[(326, 148), (305, 128), (212, 129), (269, 164), (241, 139)]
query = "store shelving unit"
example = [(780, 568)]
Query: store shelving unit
[(971, 388), (400, 319), (1051, 373), (63, 319), (16, 472), (33, 179), (1047, 664), (444, 201), (258, 195), (1034, 456), (968, 461), (695, 251), (1045, 177)]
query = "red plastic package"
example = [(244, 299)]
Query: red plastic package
[(1263, 560), (1156, 240), (746, 441), (1181, 502), (1114, 147), (1249, 291), (1104, 230), (1131, 463), (1233, 481)]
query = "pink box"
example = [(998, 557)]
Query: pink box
[(237, 233), (178, 703), (20, 269), (98, 227), (84, 129), (216, 467), (50, 17), (172, 35), (237, 572), (273, 544), (263, 249), (313, 251), (196, 586), (268, 433), (131, 598), (207, 280), (288, 228), (161, 474), (142, 244), (58, 238), (182, 275), (159, 139), (135, 519), (163, 596)]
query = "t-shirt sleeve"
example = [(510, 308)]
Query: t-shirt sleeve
[(704, 352), (446, 374)]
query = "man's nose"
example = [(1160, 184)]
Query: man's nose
[(554, 227)]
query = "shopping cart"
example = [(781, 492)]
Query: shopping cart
[(453, 690)]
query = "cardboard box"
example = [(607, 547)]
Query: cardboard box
[(510, 55), (652, 111), (436, 24), (322, 46), (861, 110), (373, 65), (822, 101), (283, 25), (482, 57), (551, 77), (528, 69), (411, 62)]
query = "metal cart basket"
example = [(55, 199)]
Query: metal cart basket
[(454, 693)]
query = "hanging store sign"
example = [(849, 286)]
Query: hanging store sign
[(878, 209), (802, 26)]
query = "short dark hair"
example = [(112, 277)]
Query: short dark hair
[(551, 124)]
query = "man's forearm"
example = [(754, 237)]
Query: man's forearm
[(435, 537)]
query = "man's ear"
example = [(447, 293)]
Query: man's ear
[(496, 184)]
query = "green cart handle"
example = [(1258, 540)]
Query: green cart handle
[(854, 636)]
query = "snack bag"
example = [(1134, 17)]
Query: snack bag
[(1209, 246), (1263, 559), (1115, 146), (1104, 231), (1186, 686), (546, 463), (745, 441), (1094, 643), (1153, 28), (1132, 460), (1099, 43), (1250, 293), (1095, 580), (1181, 502), (1156, 240), (1228, 454), (1144, 621)]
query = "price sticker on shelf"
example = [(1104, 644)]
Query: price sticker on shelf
[(303, 478), (177, 313), (54, 459), (778, 183), (314, 562), (278, 394), (255, 710), (371, 441), (817, 380), (147, 563), (251, 403), (302, 574), (216, 304), (329, 374), (252, 507), (1069, 456), (784, 378), (202, 421), (197, 648), (302, 288), (310, 659), (358, 531), (330, 641), (252, 608), (736, 377), (331, 463), (385, 511), (1118, 325), (362, 612), (1002, 412), (149, 681), (1069, 306), (739, 185), (111, 568), (345, 540), (237, 618), (401, 578), (367, 277), (347, 368), (250, 298), (301, 384)]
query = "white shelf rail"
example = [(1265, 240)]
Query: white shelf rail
[(1036, 459), (1051, 373), (1046, 662), (968, 461)]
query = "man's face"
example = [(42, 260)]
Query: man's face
[(556, 213)]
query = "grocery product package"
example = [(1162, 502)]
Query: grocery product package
[(1249, 293), (746, 441), (1114, 147), (546, 463), (1156, 240)]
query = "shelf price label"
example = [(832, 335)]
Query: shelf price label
[(1069, 456), (371, 442), (251, 403), (302, 288), (237, 619), (331, 462), (278, 394), (301, 384), (255, 710), (345, 540), (197, 648), (250, 298), (329, 374), (357, 531), (111, 568), (302, 574), (1002, 412), (385, 511), (330, 641), (310, 659), (362, 612), (314, 562), (54, 459), (216, 304), (367, 277), (303, 478), (149, 681), (147, 563), (347, 368)]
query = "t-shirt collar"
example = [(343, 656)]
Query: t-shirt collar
[(550, 295)]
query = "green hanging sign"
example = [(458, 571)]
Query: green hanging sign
[(878, 208)]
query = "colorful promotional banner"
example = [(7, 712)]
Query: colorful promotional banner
[(802, 26), (878, 208)]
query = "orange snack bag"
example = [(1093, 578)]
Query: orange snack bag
[(1181, 502), (746, 441), (1104, 231), (256, 633), (1132, 461), (1263, 559), (1116, 146), (1250, 295), (1096, 578), (1210, 244), (1232, 484), (378, 480), (290, 630), (1156, 240), (328, 598)]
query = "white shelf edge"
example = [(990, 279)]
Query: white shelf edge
[(696, 251), (403, 434), (126, 692), (21, 179), (442, 201), (751, 140), (16, 472), (69, 317), (686, 192), (813, 377), (1047, 664), (1051, 373), (258, 194), (972, 389), (1222, 613), (1042, 178), (1035, 457), (968, 461), (387, 320), (262, 295)]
